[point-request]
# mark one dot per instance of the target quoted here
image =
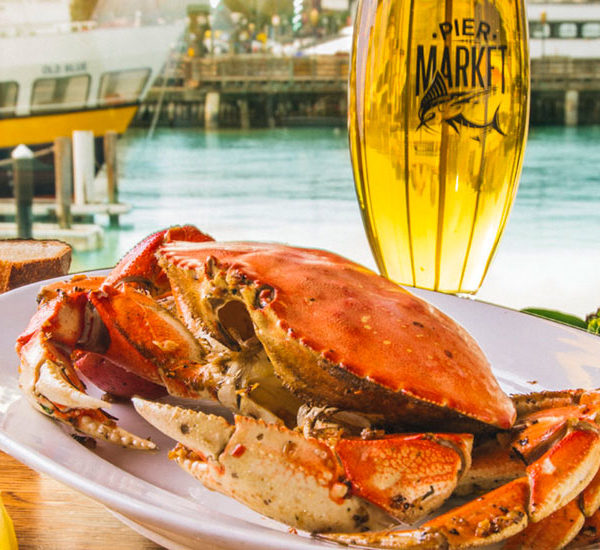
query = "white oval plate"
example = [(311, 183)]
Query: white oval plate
[(154, 496)]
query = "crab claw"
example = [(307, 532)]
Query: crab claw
[(126, 341), (353, 482), (49, 380), (251, 461), (51, 384)]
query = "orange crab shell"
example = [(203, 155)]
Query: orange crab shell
[(338, 334)]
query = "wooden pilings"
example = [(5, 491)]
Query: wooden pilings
[(63, 180), (211, 110), (64, 207), (269, 111), (66, 160), (83, 166), (244, 114), (23, 188), (548, 107), (571, 108), (110, 159)]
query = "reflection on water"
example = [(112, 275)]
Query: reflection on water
[(295, 185)]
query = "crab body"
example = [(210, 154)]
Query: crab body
[(325, 364), (337, 334)]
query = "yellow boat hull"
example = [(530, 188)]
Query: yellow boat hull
[(38, 129)]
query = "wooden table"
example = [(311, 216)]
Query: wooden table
[(50, 516)]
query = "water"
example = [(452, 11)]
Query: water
[(295, 186), (550, 253), (285, 185)]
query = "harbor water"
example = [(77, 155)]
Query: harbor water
[(295, 186)]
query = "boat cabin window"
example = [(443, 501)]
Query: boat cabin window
[(8, 98), (590, 30), (567, 30), (122, 86), (57, 93), (539, 30)]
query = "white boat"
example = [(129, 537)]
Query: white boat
[(57, 76)]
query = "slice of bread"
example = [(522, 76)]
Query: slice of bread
[(24, 261)]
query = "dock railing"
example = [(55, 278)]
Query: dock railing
[(252, 68)]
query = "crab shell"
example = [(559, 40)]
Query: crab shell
[(338, 334)]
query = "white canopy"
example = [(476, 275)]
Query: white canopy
[(341, 44)]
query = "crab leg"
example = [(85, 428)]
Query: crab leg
[(562, 526), (333, 485), (537, 431), (486, 520), (553, 532), (505, 457), (552, 481)]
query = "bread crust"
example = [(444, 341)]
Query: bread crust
[(25, 261)]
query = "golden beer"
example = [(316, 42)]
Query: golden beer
[(438, 114)]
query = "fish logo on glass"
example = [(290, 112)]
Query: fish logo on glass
[(451, 106)]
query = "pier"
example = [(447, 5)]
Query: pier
[(251, 91), (257, 90)]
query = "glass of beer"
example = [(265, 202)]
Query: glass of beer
[(438, 116)]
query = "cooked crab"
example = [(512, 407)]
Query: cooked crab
[(325, 365)]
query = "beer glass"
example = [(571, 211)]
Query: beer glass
[(438, 116)]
